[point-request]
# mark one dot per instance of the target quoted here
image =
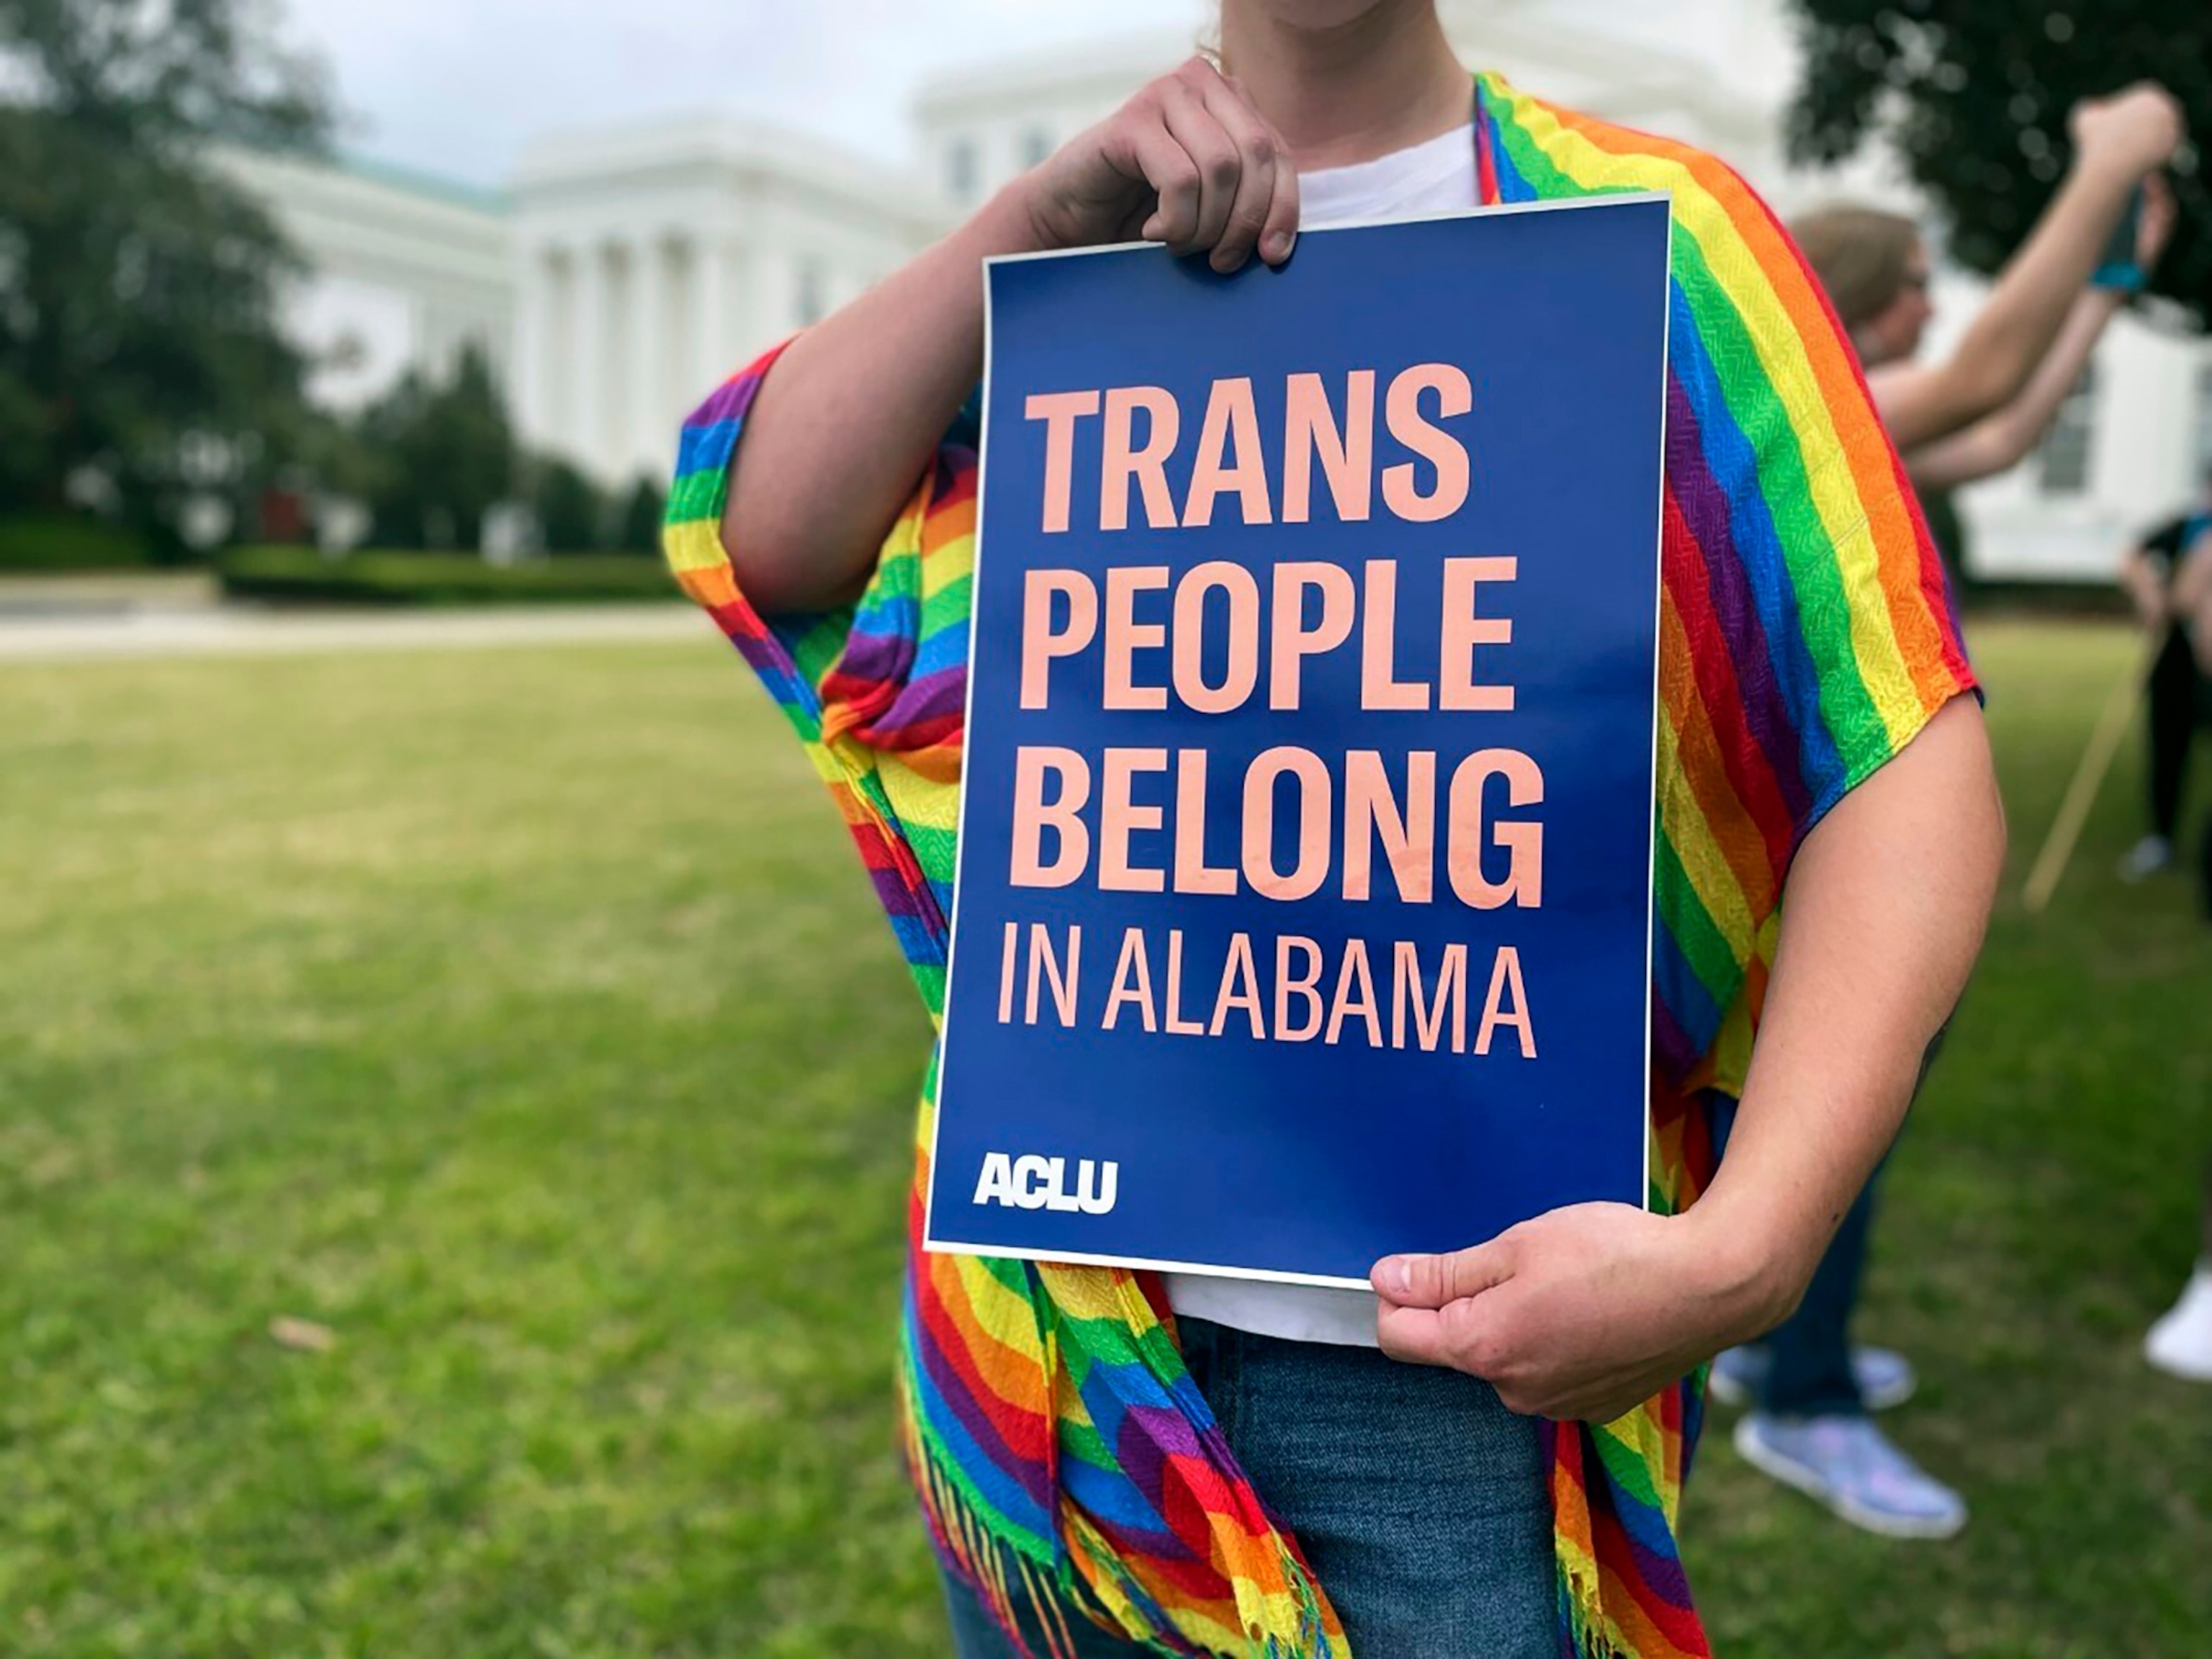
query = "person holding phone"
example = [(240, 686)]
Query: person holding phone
[(1968, 416), (1486, 1454), (2042, 313)]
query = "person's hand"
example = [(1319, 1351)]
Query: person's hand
[(1186, 162), (2135, 131), (2154, 227), (1586, 1312)]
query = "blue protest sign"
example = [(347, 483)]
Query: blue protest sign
[(1302, 905)]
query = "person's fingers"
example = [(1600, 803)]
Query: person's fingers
[(2171, 125), (1464, 1334), (1193, 125), (1173, 176), (1431, 1281), (1261, 157), (1415, 1335), (1279, 233)]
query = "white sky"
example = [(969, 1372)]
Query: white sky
[(458, 87)]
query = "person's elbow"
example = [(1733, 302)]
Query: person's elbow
[(778, 560), (1973, 456), (2007, 444), (1927, 405), (1983, 380)]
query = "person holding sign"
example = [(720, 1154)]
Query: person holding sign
[(1487, 1454)]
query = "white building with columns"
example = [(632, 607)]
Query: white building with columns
[(648, 257), (404, 269), (621, 270)]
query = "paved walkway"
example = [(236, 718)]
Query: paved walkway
[(77, 634)]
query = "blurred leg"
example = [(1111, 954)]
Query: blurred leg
[(2172, 696), (1809, 1370), (1810, 1373), (1811, 1430), (2204, 870)]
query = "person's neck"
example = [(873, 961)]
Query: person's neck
[(1384, 82)]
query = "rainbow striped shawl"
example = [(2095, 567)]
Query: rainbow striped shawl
[(1806, 635)]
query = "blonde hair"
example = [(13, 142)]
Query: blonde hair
[(1859, 253)]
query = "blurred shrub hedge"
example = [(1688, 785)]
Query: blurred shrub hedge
[(68, 541), (377, 577)]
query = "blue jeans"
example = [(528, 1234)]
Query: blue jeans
[(1422, 1504)]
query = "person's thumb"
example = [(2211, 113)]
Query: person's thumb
[(1431, 1281)]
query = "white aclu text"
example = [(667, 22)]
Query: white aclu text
[(1033, 1182)]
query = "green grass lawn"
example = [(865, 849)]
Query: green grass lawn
[(522, 1017)]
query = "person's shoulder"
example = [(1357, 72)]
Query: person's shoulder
[(1593, 155), (1726, 236)]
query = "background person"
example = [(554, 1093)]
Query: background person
[(1245, 1474), (2176, 694), (1970, 416), (2181, 1341), (2192, 606), (1877, 273)]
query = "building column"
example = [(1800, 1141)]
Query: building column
[(775, 308), (707, 354), (649, 423), (587, 343), (530, 382)]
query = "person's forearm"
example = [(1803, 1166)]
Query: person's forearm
[(1588, 1310), (1882, 918), (2011, 333), (845, 420), (2002, 440)]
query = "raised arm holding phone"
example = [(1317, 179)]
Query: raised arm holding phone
[(2118, 143)]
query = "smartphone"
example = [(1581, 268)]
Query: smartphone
[(2118, 269)]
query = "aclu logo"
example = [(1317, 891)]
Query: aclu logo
[(1032, 1182)]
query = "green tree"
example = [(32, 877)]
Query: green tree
[(1974, 97), (444, 454), (640, 531), (137, 284), (571, 514)]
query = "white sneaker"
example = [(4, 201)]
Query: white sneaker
[(2146, 858), (2181, 1343)]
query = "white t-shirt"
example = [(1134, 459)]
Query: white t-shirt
[(1436, 177)]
